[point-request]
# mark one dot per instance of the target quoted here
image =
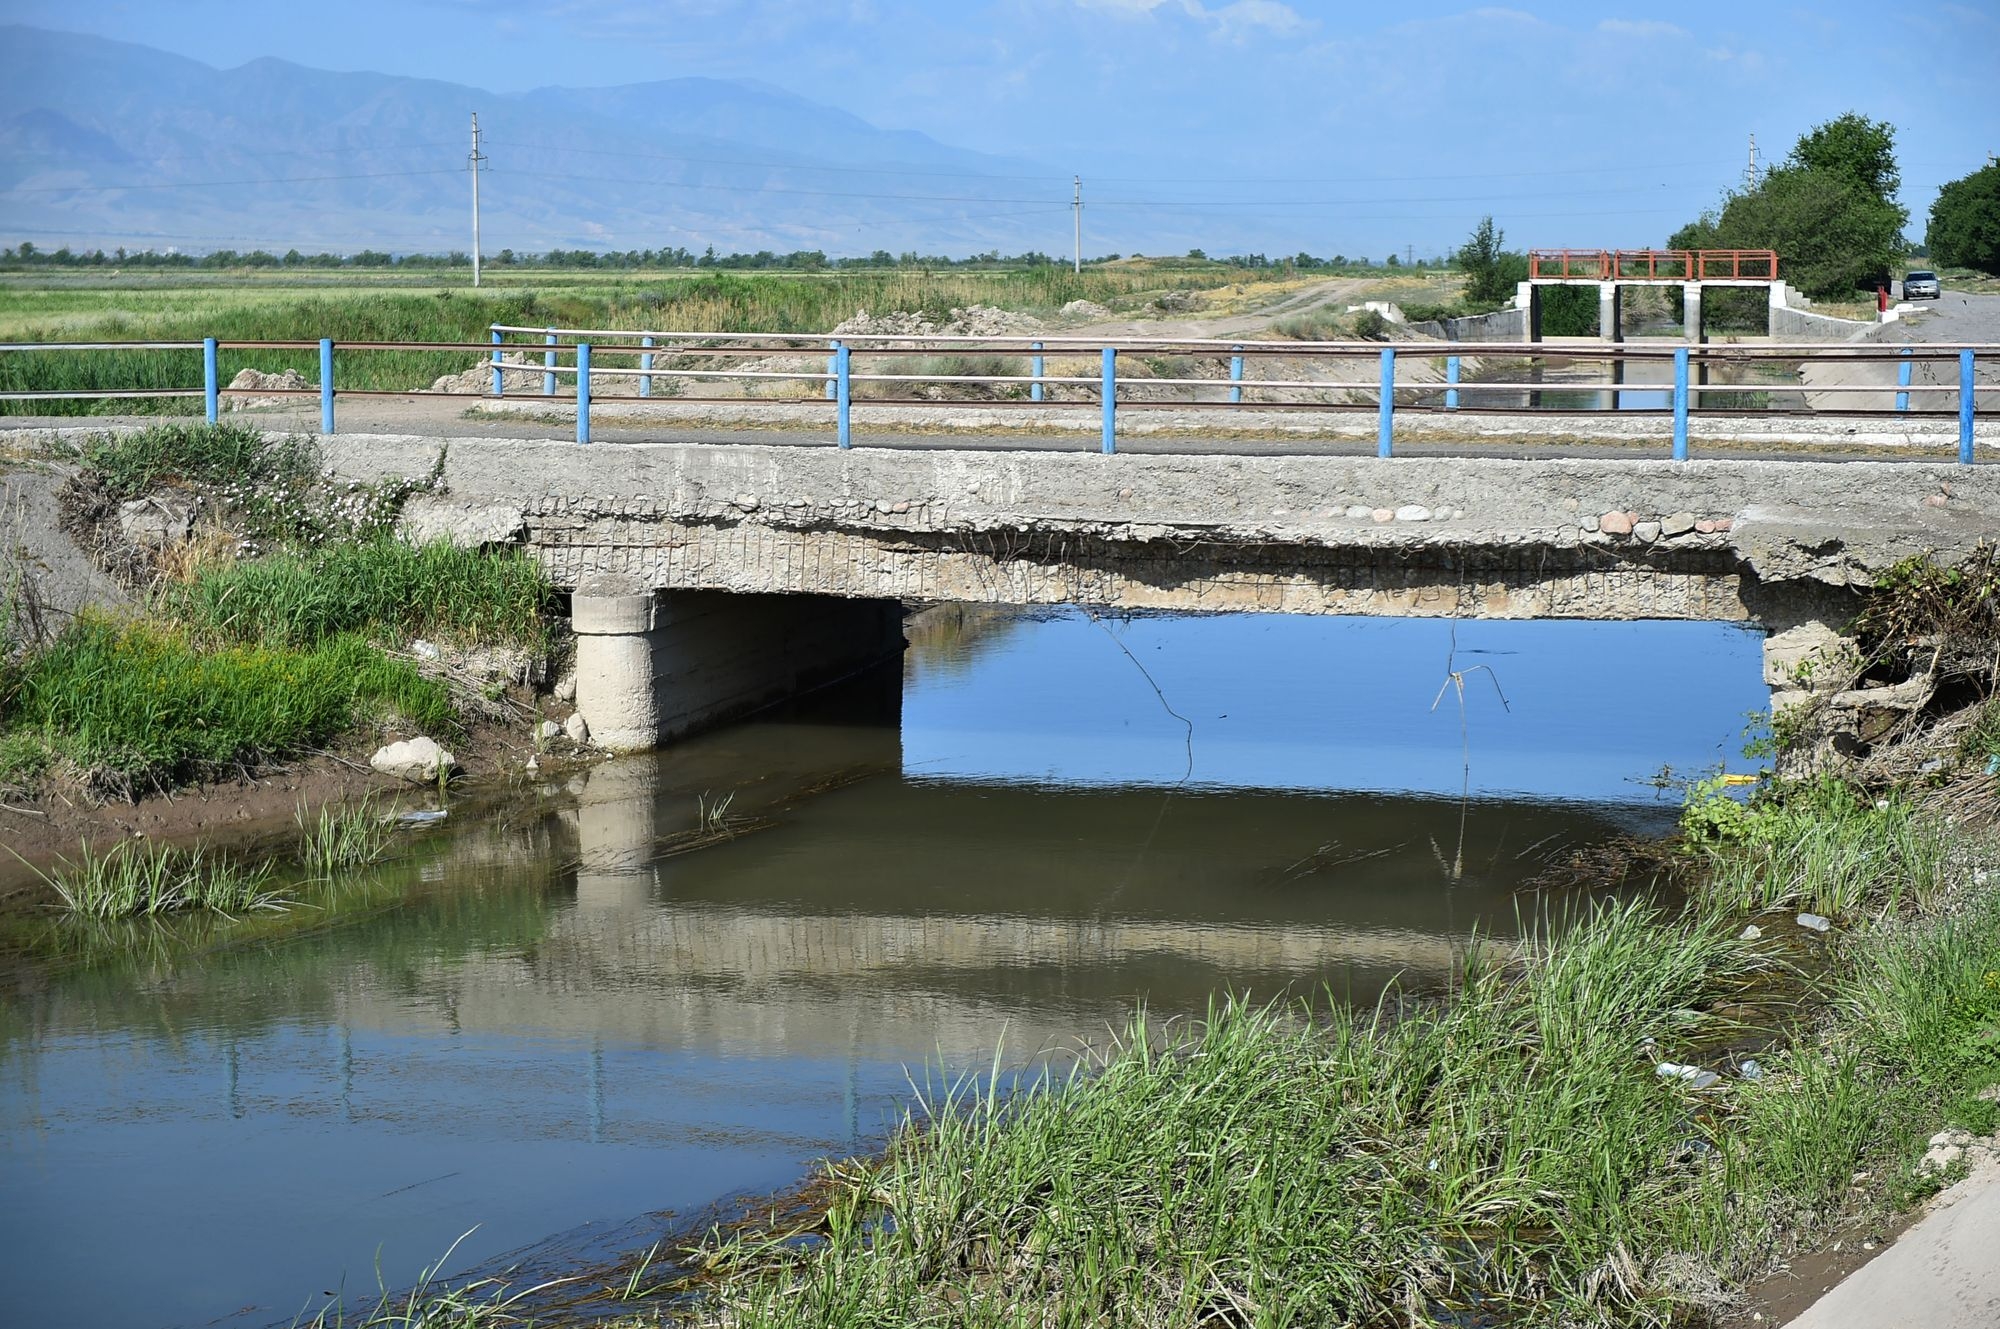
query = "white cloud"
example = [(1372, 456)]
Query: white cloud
[(1645, 28), (1234, 19)]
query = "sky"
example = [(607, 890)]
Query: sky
[(1384, 127)]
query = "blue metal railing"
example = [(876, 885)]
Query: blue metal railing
[(1387, 394)]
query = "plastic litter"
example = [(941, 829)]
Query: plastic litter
[(1750, 1070), (421, 817), (1815, 922), (1696, 1077)]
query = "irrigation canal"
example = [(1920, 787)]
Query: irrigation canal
[(617, 1000)]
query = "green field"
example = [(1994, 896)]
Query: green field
[(392, 306)]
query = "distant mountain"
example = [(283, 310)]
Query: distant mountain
[(105, 143)]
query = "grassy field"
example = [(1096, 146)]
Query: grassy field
[(390, 306)]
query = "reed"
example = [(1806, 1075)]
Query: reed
[(138, 881)]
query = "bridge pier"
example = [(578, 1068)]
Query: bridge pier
[(1610, 327), (651, 666)]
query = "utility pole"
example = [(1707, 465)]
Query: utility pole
[(1076, 208), (474, 162), (1750, 170)]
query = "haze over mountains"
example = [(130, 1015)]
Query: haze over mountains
[(104, 143)]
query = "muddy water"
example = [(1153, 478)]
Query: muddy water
[(635, 993)]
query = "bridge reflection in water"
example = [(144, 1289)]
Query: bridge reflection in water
[(570, 1020)]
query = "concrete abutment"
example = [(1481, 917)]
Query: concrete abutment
[(657, 665)]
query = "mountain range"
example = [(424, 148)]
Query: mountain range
[(106, 143)]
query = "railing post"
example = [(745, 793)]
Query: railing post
[(499, 379), (645, 368), (1965, 404), (832, 370), (549, 366), (583, 392), (1236, 376), (210, 388), (1451, 376), (843, 397), (326, 385), (1903, 380), (1036, 368), (1385, 434), (1109, 391), (1680, 403)]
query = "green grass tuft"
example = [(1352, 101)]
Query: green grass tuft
[(381, 587), (137, 705), (134, 881)]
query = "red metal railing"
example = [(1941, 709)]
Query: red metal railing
[(1652, 265)]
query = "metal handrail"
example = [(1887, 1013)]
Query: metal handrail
[(576, 361)]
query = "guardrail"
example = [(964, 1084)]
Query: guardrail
[(593, 359), (1644, 265)]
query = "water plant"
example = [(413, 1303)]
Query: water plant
[(132, 880), (341, 839)]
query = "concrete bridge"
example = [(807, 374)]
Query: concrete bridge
[(711, 580)]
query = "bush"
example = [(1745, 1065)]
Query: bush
[(1370, 326)]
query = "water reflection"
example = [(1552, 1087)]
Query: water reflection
[(612, 1000)]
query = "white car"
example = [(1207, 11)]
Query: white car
[(1921, 285)]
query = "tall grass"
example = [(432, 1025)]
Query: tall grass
[(379, 587), (1821, 847), (135, 881), (715, 303), (1509, 1153), (139, 705), (342, 839)]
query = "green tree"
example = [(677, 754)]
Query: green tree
[(1964, 227), (1491, 272), (1854, 149), (1830, 211)]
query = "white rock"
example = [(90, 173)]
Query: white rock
[(565, 689), (418, 759), (1359, 512), (424, 650), (547, 730), (577, 728), (1413, 512)]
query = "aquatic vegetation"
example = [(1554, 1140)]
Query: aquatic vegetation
[(131, 880), (343, 838)]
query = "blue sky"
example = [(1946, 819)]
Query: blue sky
[(1381, 126)]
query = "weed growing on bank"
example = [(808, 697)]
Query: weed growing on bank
[(342, 839), (139, 706), (137, 881), (380, 587), (1511, 1152)]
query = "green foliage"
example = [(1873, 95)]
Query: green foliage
[(138, 881), (1929, 1003), (137, 705), (341, 839), (381, 588), (1820, 846), (713, 301), (1491, 273), (266, 489), (1829, 212), (1370, 325), (1964, 227), (132, 465), (1855, 149)]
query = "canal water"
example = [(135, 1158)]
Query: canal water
[(597, 1012)]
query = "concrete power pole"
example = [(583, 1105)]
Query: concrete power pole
[(474, 162), (1076, 209)]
